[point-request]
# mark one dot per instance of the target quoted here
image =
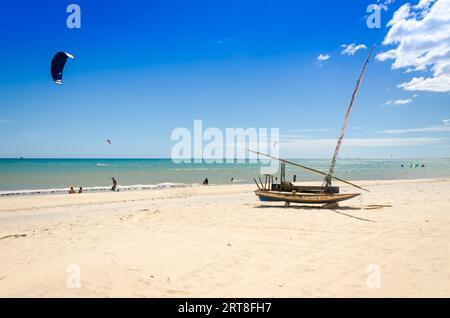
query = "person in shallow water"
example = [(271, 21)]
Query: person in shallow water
[(81, 190), (114, 185), (206, 182), (72, 191)]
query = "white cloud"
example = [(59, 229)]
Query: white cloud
[(351, 49), (424, 4), (385, 4), (355, 127), (323, 57), (311, 130), (297, 134), (289, 137), (223, 41), (420, 35), (398, 102), (306, 145), (441, 128), (432, 84)]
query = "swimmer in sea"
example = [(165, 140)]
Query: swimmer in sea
[(114, 185)]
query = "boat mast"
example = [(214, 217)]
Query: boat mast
[(329, 177)]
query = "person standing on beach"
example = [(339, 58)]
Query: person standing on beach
[(114, 185), (294, 178), (206, 182), (81, 190)]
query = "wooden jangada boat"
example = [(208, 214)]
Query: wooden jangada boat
[(306, 198), (325, 194), (290, 193)]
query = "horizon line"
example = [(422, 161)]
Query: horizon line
[(192, 159)]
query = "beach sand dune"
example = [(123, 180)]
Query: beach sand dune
[(221, 242)]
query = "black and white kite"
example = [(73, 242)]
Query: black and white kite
[(58, 62)]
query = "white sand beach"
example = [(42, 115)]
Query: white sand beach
[(220, 241)]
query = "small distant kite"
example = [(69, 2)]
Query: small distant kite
[(58, 62), (108, 141)]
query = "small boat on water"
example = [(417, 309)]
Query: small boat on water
[(268, 191)]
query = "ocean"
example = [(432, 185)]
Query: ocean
[(56, 175)]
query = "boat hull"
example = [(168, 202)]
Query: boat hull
[(308, 198)]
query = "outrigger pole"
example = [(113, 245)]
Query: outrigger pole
[(307, 168), (328, 177)]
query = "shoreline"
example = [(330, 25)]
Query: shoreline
[(95, 189), (169, 185)]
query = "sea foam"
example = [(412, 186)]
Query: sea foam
[(120, 188)]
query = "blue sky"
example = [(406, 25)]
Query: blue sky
[(144, 68)]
